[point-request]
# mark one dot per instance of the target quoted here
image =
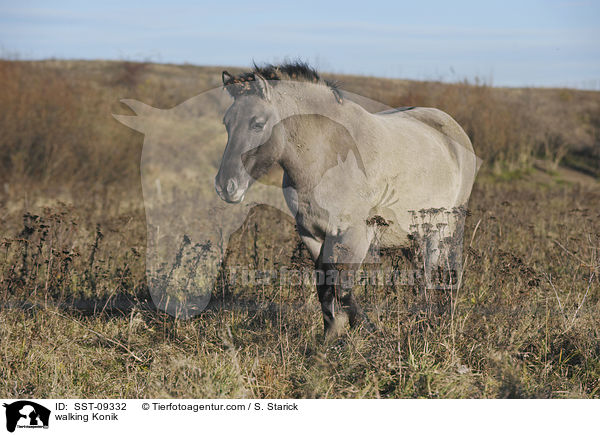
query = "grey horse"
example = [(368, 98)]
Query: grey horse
[(349, 175)]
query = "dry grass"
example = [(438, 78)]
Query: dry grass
[(74, 311)]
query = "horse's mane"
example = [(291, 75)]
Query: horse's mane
[(295, 71)]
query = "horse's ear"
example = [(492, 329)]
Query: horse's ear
[(263, 86), (142, 118), (229, 83)]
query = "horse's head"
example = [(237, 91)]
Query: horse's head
[(253, 142)]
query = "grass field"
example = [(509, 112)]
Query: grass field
[(76, 319)]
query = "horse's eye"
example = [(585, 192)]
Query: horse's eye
[(257, 125)]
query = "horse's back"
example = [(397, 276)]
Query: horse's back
[(434, 118)]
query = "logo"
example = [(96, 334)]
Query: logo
[(195, 202), (26, 414)]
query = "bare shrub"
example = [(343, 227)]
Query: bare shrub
[(57, 130), (501, 134)]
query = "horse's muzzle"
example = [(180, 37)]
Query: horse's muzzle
[(232, 192)]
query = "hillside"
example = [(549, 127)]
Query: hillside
[(59, 126)]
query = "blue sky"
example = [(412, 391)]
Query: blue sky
[(507, 43)]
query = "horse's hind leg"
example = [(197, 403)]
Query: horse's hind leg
[(356, 315), (431, 257)]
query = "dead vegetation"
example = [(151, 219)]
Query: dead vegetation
[(75, 314)]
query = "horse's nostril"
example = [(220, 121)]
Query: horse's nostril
[(231, 186)]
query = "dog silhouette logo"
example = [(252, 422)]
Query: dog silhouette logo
[(26, 414)]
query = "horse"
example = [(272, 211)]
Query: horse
[(349, 176)]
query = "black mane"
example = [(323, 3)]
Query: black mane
[(296, 71)]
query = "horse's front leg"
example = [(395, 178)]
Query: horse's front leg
[(341, 256)]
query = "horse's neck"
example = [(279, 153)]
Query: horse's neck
[(301, 98), (317, 130)]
